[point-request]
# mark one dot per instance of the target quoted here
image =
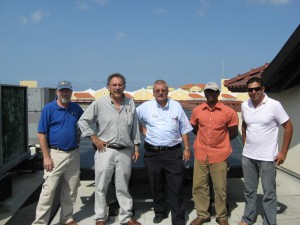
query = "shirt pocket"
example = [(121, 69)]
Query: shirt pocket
[(130, 116), (174, 123), (126, 119)]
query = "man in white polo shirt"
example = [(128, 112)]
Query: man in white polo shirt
[(261, 119)]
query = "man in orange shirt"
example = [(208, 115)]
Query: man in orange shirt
[(215, 124)]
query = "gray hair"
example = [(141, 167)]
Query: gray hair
[(116, 75), (161, 82)]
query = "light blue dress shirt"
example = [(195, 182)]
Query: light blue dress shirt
[(164, 125)]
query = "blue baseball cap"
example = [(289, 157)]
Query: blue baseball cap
[(64, 84)]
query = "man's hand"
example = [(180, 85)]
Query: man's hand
[(135, 155), (186, 155), (99, 144), (48, 164), (279, 159)]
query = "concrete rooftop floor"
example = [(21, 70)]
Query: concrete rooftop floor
[(288, 192)]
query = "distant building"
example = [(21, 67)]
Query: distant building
[(193, 88), (196, 96), (29, 83), (179, 94), (143, 94), (101, 92)]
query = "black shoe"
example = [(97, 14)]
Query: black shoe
[(158, 219)]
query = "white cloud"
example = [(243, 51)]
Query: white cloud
[(202, 8), (38, 16), (35, 17), (159, 11), (82, 5), (100, 2), (23, 20), (86, 4), (120, 35), (271, 2)]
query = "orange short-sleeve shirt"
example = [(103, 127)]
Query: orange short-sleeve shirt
[(212, 140)]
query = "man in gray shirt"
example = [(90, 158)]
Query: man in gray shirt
[(117, 141)]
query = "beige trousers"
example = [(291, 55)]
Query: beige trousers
[(201, 188), (66, 175)]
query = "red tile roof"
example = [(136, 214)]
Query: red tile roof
[(227, 96), (128, 95), (83, 95), (194, 95), (238, 83), (191, 85)]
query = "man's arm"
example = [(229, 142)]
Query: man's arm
[(186, 151), (143, 129), (233, 132), (244, 128), (287, 137), (47, 161)]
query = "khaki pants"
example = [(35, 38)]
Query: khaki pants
[(201, 189), (67, 171)]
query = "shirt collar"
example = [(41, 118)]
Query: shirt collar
[(264, 101), (217, 106), (123, 99), (166, 107), (59, 107)]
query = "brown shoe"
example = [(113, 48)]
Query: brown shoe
[(243, 223), (133, 221), (73, 222), (223, 222), (100, 223), (199, 221)]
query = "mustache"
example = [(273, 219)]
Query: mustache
[(64, 99)]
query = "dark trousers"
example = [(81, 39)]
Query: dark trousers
[(165, 171)]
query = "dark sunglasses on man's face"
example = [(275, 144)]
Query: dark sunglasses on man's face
[(255, 89)]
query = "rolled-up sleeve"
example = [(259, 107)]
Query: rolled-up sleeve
[(87, 119), (135, 132)]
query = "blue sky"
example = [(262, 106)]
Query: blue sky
[(180, 41)]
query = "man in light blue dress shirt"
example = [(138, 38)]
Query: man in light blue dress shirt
[(165, 125)]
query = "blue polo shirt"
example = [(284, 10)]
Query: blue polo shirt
[(60, 124)]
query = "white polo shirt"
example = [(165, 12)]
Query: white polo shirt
[(262, 128)]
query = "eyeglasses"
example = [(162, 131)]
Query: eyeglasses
[(160, 90), (255, 89), (117, 85)]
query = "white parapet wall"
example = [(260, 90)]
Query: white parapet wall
[(290, 101)]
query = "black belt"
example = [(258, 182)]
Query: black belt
[(160, 148), (114, 146), (65, 150)]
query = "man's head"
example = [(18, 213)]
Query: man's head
[(255, 88), (211, 92), (116, 84), (160, 92), (64, 91)]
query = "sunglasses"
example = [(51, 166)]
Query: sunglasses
[(255, 89)]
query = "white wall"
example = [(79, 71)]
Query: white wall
[(290, 101)]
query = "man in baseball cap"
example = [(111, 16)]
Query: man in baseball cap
[(214, 125), (58, 135)]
